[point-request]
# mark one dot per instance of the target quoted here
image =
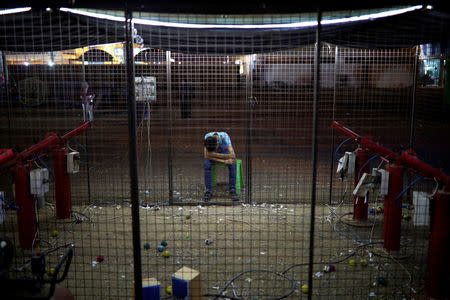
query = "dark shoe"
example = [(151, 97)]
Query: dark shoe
[(234, 196), (207, 196)]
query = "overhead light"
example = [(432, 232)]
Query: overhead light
[(382, 14), (429, 7), (51, 63), (14, 10), (26, 64)]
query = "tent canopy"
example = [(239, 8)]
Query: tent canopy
[(40, 30)]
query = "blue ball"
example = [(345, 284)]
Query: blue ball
[(160, 248)]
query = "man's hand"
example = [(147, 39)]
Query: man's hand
[(230, 161)]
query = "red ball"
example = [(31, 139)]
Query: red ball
[(100, 258)]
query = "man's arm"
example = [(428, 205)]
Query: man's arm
[(221, 157)]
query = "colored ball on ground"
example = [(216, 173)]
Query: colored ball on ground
[(382, 281), (363, 262), (352, 262), (164, 243), (100, 258), (166, 253), (305, 289), (51, 271), (54, 233), (146, 246), (169, 290), (379, 209), (188, 217), (160, 248)]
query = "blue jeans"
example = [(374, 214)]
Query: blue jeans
[(207, 166)]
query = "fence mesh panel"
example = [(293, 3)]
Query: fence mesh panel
[(60, 68)]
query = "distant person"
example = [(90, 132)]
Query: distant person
[(87, 102), (218, 149), (186, 96)]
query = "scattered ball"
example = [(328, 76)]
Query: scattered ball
[(329, 268), (352, 262), (187, 236), (363, 262), (372, 210), (100, 258), (166, 253), (164, 243), (379, 209), (407, 218), (188, 217), (54, 233), (305, 289), (209, 241), (160, 248), (169, 290), (51, 271), (146, 246), (78, 221), (382, 281)]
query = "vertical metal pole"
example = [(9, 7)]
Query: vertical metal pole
[(8, 96), (392, 222), (249, 95), (414, 98), (314, 151), (332, 158), (134, 183), (413, 116), (438, 262), (88, 177), (169, 140)]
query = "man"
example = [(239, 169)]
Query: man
[(218, 149)]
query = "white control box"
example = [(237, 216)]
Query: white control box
[(39, 183), (73, 162), (347, 163), (383, 186), (421, 202), (145, 88)]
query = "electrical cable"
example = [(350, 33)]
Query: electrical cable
[(45, 165), (406, 189), (13, 206), (84, 149), (339, 147), (368, 161)]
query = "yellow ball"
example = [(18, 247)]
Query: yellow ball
[(54, 233), (166, 253), (51, 271), (169, 290), (363, 262), (352, 262), (305, 289)]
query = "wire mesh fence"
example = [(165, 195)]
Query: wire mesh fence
[(260, 92)]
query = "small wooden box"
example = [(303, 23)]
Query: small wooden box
[(187, 284)]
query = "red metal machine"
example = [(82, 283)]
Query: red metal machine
[(438, 261), (26, 215)]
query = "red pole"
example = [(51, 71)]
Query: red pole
[(393, 209), (62, 183), (26, 217), (360, 206), (438, 261)]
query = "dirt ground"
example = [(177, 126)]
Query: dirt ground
[(268, 243)]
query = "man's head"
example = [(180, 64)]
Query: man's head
[(211, 143)]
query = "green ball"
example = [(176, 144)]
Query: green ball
[(146, 246), (164, 243)]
